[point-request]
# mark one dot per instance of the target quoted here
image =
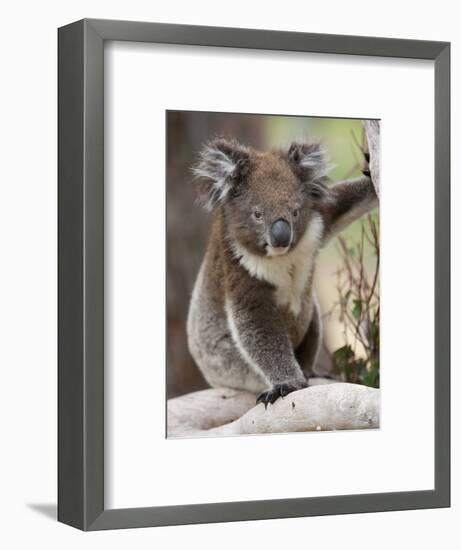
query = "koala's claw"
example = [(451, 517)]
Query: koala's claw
[(270, 396)]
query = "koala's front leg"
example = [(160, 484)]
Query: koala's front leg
[(346, 202), (260, 335)]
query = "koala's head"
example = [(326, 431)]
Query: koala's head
[(267, 198)]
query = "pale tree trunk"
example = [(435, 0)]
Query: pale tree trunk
[(325, 406), (372, 132)]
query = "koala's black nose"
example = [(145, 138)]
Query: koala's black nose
[(280, 233)]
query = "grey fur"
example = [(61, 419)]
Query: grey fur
[(253, 321)]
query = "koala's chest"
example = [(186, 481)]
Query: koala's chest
[(292, 287), (291, 279), (292, 293)]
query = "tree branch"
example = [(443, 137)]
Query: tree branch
[(372, 131), (323, 407)]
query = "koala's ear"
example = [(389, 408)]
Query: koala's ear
[(221, 168), (310, 164), (309, 161)]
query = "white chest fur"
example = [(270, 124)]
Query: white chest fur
[(288, 273)]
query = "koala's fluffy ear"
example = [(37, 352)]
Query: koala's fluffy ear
[(221, 168), (310, 163)]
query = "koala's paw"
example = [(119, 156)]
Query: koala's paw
[(279, 390)]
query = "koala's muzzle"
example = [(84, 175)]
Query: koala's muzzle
[(280, 234)]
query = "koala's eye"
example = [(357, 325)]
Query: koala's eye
[(257, 214), (295, 212)]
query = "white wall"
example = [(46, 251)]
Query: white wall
[(28, 270)]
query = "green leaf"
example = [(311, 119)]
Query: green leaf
[(370, 377), (344, 361), (343, 354), (357, 309)]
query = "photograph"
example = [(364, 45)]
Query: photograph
[(272, 274), (229, 264)]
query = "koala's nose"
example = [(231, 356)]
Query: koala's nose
[(280, 233)]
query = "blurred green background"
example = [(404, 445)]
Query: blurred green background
[(188, 225)]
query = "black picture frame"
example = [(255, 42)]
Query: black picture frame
[(81, 273)]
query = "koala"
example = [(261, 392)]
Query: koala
[(254, 321)]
